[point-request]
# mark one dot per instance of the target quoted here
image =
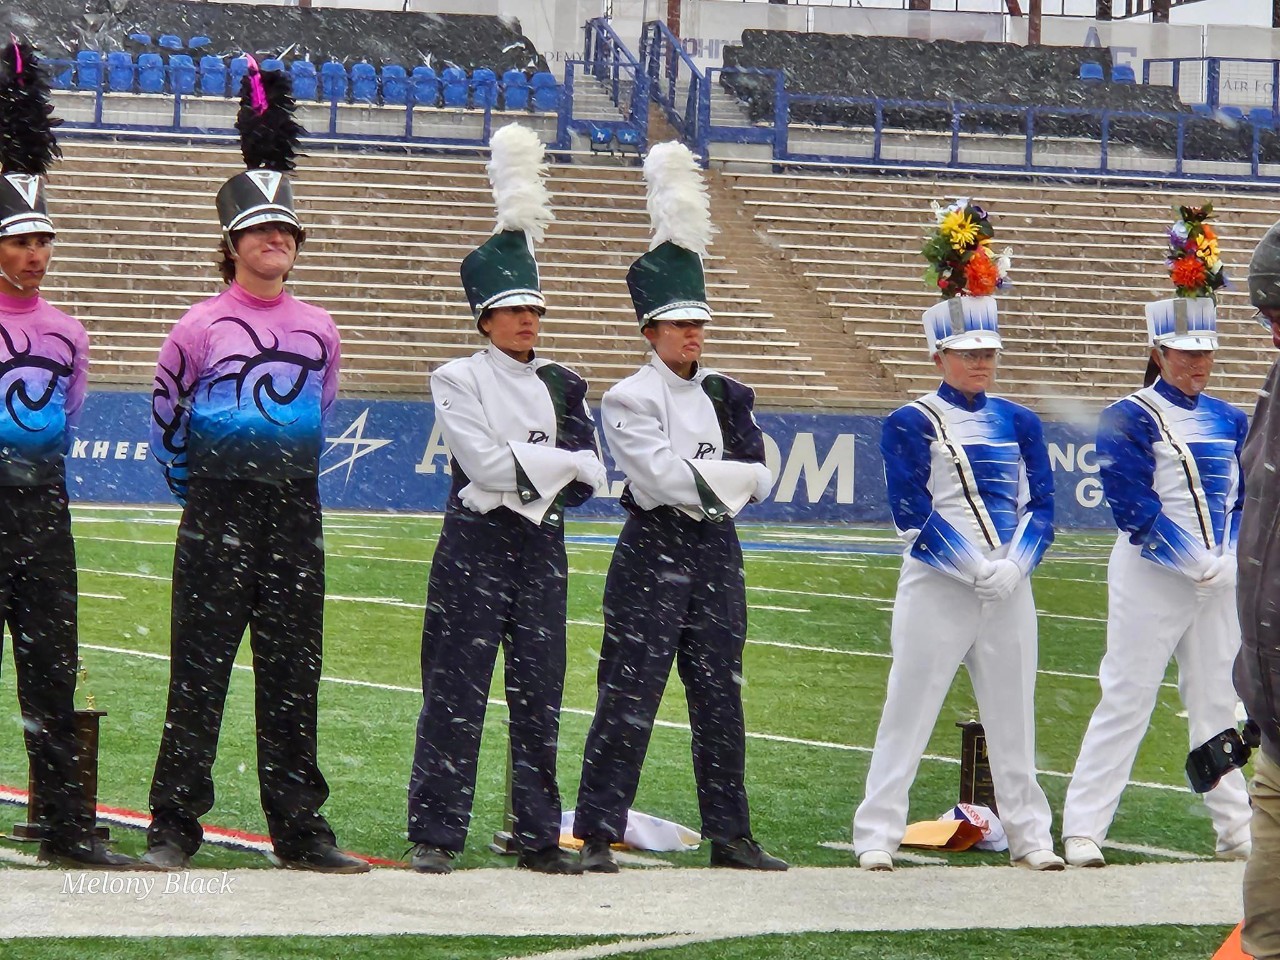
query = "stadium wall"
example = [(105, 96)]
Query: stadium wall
[(389, 455)]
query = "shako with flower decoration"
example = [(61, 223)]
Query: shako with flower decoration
[(964, 270), (1189, 320), (1195, 266)]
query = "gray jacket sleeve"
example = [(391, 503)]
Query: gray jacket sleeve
[(1257, 668)]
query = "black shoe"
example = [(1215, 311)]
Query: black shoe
[(549, 860), (165, 856), (87, 853), (596, 857), (744, 854), (323, 859), (425, 858)]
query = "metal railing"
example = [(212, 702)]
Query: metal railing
[(1218, 82), (678, 86), (964, 131)]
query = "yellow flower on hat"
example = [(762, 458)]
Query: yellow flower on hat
[(958, 227), (1207, 248)]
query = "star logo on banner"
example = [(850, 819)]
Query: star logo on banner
[(356, 445)]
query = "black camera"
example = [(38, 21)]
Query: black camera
[(1218, 756)]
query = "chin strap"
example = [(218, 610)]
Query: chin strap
[(12, 280)]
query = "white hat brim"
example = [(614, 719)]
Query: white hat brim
[(971, 340), (1190, 342)]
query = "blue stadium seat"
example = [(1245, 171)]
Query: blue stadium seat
[(235, 74), (119, 72), (213, 76), (1262, 117), (272, 63), (1122, 73), (141, 38), (150, 73), (628, 139), (515, 90), (170, 42), (484, 86), (426, 87), (304, 80), (88, 70), (182, 74), (364, 83), (333, 80), (1091, 72), (61, 75), (455, 87), (601, 138), (198, 43), (395, 84), (546, 92)]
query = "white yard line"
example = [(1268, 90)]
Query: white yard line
[(1147, 851), (667, 724), (622, 948)]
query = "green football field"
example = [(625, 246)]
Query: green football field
[(816, 665)]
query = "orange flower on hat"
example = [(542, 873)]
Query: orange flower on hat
[(980, 274), (1188, 273)]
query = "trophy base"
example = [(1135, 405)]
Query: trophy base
[(34, 833), (504, 843)]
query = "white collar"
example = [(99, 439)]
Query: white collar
[(508, 363), (673, 379)]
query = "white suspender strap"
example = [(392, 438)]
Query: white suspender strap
[(1188, 463), (964, 472)]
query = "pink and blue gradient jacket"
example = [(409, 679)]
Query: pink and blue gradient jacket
[(242, 388), (44, 363)]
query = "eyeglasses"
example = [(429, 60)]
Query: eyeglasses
[(974, 358)]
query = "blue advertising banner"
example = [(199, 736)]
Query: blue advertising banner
[(389, 455)]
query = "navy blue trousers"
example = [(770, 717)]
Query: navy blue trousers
[(675, 590), (250, 554), (496, 580), (38, 604)]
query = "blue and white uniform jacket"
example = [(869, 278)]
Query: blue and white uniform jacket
[(1170, 467), (968, 481), (689, 444), (512, 429)]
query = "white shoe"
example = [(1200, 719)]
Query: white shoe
[(1041, 860), (1082, 852), (877, 860), (1240, 851)]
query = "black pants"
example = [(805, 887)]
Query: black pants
[(38, 604), (675, 590), (495, 580), (250, 554)]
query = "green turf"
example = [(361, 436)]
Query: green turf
[(1096, 943), (803, 793)]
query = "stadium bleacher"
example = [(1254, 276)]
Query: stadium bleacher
[(933, 75), (407, 221)]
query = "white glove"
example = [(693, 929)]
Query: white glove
[(478, 500), (1000, 583), (1220, 576), (764, 482), (591, 471)]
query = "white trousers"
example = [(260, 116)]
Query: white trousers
[(1154, 613), (939, 623)]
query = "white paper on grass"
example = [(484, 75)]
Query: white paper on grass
[(985, 819), (647, 832)]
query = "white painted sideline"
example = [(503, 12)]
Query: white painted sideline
[(708, 904)]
